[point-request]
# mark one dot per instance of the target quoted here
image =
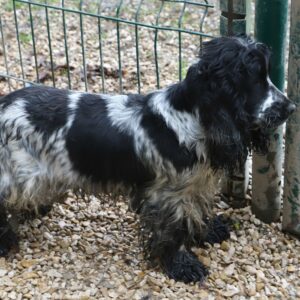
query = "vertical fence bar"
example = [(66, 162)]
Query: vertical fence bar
[(155, 44), (66, 43), (18, 40), (33, 44), (291, 194), (4, 53), (270, 28), (233, 21), (138, 73), (179, 40), (82, 47), (119, 46), (201, 24), (100, 48), (50, 44)]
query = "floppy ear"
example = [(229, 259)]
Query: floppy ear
[(260, 140), (226, 145)]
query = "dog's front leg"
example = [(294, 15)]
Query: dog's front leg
[(164, 236), (182, 264)]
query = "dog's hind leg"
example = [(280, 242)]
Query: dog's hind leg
[(8, 238)]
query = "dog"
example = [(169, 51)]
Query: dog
[(166, 150)]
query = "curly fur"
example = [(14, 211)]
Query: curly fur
[(167, 149)]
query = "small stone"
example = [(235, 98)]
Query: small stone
[(2, 262), (36, 223), (231, 291), (291, 268), (259, 286), (225, 246), (54, 273), (256, 221), (205, 260), (48, 235), (64, 243), (154, 282), (28, 263), (247, 249), (90, 250), (260, 275), (229, 270), (112, 294), (30, 275), (220, 283), (267, 291), (69, 275), (3, 272), (298, 292), (202, 294), (251, 270), (61, 224), (12, 295), (251, 290)]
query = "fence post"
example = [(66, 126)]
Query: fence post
[(291, 194), (270, 28), (235, 19)]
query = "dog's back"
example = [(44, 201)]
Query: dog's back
[(53, 140)]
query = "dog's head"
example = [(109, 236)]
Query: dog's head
[(237, 101)]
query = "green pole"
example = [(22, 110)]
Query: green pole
[(270, 28), (291, 193), (235, 19)]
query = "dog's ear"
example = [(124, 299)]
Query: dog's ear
[(260, 140), (226, 145)]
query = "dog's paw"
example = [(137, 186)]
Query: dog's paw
[(218, 230), (8, 240), (184, 266)]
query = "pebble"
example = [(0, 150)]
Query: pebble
[(230, 291), (54, 273), (3, 272), (30, 275), (48, 235), (291, 269), (225, 246), (259, 286), (229, 270), (250, 269), (251, 289), (205, 260), (28, 263)]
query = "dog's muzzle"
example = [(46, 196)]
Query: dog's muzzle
[(275, 109), (275, 115)]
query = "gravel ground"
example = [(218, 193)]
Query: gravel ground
[(88, 248)]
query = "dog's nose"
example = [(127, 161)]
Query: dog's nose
[(291, 108)]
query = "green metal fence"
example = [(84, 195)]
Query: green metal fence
[(91, 44)]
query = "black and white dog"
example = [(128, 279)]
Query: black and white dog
[(166, 150)]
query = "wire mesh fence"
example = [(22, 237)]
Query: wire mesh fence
[(106, 46)]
